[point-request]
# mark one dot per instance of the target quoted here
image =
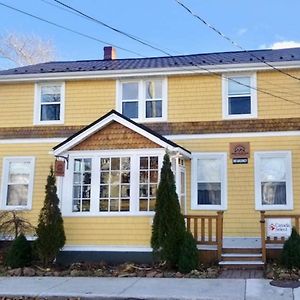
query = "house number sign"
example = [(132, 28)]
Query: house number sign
[(239, 152)]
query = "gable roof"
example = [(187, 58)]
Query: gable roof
[(111, 116), (206, 59)]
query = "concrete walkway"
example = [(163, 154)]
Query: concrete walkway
[(144, 288)]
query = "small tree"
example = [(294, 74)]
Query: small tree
[(50, 230), (19, 254), (168, 224), (290, 256), (189, 255)]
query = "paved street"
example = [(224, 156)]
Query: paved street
[(144, 288)]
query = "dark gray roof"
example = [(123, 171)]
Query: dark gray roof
[(221, 58)]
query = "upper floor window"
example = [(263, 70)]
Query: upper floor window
[(143, 100), (239, 97), (17, 184), (49, 103), (209, 181), (273, 180)]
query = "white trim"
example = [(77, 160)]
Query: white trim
[(32, 141), (231, 135), (141, 99), (222, 156), (287, 156), (5, 172), (106, 248), (148, 72), (113, 117), (95, 155), (37, 103), (253, 96)]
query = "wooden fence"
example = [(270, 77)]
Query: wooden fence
[(207, 229)]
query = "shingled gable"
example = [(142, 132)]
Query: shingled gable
[(111, 119)]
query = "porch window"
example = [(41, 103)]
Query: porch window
[(143, 100), (114, 184), (273, 186), (82, 184), (109, 183), (17, 182), (148, 182), (209, 181)]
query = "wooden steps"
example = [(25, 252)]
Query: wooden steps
[(241, 258)]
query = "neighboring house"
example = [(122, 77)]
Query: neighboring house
[(229, 122)]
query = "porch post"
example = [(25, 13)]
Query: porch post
[(263, 236), (220, 234)]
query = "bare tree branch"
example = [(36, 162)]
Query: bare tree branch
[(24, 50)]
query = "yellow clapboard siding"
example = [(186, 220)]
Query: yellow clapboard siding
[(241, 218)]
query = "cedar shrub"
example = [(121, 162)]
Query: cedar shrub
[(168, 229), (189, 255), (50, 230), (290, 256), (19, 254)]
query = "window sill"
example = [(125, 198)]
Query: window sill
[(239, 117), (209, 207), (112, 214), (16, 208), (47, 123), (274, 207)]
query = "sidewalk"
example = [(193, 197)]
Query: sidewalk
[(144, 288)]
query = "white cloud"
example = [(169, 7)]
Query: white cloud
[(242, 31), (282, 45)]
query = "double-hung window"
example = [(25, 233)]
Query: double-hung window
[(143, 100), (17, 182), (49, 103), (209, 181), (273, 180), (239, 97)]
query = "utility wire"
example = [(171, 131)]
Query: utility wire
[(135, 38), (191, 63), (69, 29), (233, 42)]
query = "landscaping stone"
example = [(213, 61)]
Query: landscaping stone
[(15, 272), (28, 271)]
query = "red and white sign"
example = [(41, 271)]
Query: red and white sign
[(279, 227)]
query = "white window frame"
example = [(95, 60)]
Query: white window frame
[(5, 172), (253, 94), (194, 186), (142, 98), (95, 155), (287, 155), (37, 104)]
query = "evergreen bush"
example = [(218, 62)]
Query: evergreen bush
[(50, 230), (290, 256), (189, 255), (19, 254), (168, 227)]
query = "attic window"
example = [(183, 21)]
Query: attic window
[(49, 103)]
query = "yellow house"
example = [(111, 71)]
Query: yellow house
[(230, 122)]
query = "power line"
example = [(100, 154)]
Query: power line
[(70, 30), (232, 41), (191, 63), (135, 38)]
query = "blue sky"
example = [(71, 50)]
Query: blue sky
[(251, 23)]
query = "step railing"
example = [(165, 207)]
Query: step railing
[(207, 229), (265, 239)]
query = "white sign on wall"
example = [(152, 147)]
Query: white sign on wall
[(279, 227)]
